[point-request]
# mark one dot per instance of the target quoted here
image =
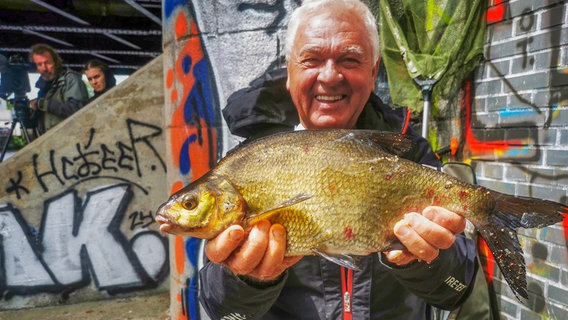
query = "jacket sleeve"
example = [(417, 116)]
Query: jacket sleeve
[(445, 281), (74, 97), (223, 294)]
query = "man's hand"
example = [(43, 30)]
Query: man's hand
[(33, 104), (425, 234), (259, 255)]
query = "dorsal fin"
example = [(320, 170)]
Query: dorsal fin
[(393, 143)]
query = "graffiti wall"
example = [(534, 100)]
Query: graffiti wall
[(77, 204), (512, 127)]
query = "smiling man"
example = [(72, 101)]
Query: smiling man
[(332, 64), (331, 72)]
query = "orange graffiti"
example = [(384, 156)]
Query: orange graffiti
[(180, 254), (176, 186), (169, 79), (477, 146), (181, 25), (489, 263)]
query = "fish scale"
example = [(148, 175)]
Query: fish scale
[(339, 194), (332, 172)]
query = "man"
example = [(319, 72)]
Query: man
[(332, 62), (61, 90)]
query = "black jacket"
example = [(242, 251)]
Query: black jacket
[(313, 288)]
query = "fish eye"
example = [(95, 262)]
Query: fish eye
[(189, 202)]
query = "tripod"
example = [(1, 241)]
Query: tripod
[(17, 119)]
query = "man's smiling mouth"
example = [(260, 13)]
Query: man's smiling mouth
[(329, 98)]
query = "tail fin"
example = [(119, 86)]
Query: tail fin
[(499, 231)]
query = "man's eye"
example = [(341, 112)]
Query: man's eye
[(350, 62), (310, 63)]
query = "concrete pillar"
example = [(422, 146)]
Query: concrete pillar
[(193, 138)]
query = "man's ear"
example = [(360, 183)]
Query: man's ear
[(287, 78), (376, 68)]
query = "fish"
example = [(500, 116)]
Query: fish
[(339, 194)]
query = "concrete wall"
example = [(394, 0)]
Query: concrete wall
[(77, 204)]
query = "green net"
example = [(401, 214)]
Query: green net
[(429, 41)]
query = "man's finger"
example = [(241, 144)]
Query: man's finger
[(399, 257), (415, 244), (436, 235), (271, 265), (250, 254), (446, 218), (220, 248)]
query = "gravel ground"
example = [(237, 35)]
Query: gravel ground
[(154, 307)]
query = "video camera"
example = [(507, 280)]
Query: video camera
[(14, 79)]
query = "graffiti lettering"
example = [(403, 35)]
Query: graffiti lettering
[(142, 133), (523, 45), (140, 220), (93, 160), (15, 186), (527, 20), (78, 240)]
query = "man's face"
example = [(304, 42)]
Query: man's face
[(45, 65), (96, 79), (331, 72)]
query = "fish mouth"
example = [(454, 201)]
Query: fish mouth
[(165, 223), (162, 220), (168, 227)]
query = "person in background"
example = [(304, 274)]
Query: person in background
[(61, 90), (100, 77), (332, 53)]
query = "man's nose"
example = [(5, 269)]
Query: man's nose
[(330, 72)]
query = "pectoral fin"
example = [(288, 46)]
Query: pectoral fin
[(258, 216)]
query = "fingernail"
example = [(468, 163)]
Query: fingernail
[(401, 228), (278, 233), (409, 217), (394, 255), (236, 235)]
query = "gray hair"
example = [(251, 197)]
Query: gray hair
[(312, 7)]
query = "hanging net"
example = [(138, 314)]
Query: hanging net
[(429, 41)]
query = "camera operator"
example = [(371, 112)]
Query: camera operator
[(61, 90)]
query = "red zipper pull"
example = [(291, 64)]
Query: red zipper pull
[(347, 288)]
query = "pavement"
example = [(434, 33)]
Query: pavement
[(152, 307)]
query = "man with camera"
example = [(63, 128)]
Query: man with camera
[(61, 90)]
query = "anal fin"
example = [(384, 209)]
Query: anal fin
[(344, 260)]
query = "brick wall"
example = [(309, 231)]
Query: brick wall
[(519, 141)]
